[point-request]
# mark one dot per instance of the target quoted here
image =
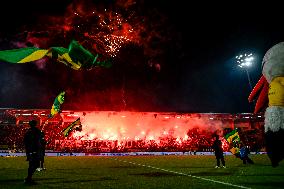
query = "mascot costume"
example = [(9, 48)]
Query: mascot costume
[(270, 91)]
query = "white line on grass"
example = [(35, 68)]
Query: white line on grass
[(179, 173)]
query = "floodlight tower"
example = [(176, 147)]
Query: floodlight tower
[(245, 61)]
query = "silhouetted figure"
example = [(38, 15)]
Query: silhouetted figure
[(32, 141), (42, 152), (217, 147)]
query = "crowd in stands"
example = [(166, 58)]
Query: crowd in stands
[(11, 136)]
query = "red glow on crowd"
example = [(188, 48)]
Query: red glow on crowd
[(140, 126), (108, 131)]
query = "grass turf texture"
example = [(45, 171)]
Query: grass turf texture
[(129, 172)]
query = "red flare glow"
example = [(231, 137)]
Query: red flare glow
[(151, 128)]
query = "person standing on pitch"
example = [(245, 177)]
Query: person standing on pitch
[(33, 146), (217, 147), (244, 154), (42, 152)]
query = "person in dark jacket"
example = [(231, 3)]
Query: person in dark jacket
[(217, 147), (244, 154), (42, 152), (33, 146)]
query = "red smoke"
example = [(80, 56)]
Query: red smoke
[(106, 125)]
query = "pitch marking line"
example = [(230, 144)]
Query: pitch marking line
[(179, 173)]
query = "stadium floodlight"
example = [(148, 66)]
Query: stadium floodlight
[(245, 61)]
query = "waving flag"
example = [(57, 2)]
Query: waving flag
[(76, 56), (233, 136), (76, 125), (55, 109), (235, 150), (22, 55), (234, 140)]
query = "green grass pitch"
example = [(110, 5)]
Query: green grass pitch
[(143, 172)]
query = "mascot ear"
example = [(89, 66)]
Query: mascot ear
[(261, 89)]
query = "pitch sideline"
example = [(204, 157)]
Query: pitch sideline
[(179, 173)]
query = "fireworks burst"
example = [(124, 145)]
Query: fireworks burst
[(102, 31), (107, 31)]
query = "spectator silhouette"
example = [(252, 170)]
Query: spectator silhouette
[(32, 141), (217, 147)]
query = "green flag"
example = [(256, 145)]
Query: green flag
[(22, 55), (234, 140), (76, 56), (233, 136), (55, 109), (75, 125)]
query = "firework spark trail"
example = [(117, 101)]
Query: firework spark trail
[(104, 28), (101, 30)]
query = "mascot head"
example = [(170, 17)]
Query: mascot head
[(273, 62)]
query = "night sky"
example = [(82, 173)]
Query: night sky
[(178, 56)]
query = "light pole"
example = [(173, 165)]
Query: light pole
[(245, 61)]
